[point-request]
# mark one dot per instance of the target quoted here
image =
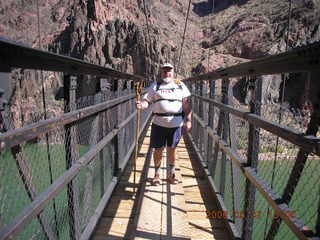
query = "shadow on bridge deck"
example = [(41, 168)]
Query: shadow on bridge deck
[(167, 211)]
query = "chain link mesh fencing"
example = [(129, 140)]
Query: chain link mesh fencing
[(277, 164), (29, 169)]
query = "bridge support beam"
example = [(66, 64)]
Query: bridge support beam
[(201, 145), (225, 133), (211, 114), (252, 159), (235, 175), (70, 86)]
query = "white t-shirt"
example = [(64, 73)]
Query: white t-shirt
[(171, 95)]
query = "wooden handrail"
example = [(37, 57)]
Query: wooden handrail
[(17, 55), (308, 143), (20, 135), (302, 59)]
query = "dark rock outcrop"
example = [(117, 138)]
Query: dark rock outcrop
[(261, 28)]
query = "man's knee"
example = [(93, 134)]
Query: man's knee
[(171, 150), (158, 153), (158, 150)]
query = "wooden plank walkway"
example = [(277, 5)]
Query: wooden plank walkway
[(167, 211)]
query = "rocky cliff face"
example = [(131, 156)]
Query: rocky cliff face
[(255, 29), (113, 33), (108, 33)]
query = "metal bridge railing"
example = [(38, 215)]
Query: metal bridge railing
[(56, 175), (265, 172)]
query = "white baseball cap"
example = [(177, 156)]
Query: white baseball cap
[(167, 65)]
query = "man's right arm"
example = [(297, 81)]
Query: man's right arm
[(147, 99)]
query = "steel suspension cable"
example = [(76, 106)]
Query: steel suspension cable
[(183, 37), (280, 112), (138, 90), (45, 118), (211, 25), (283, 89), (148, 34)]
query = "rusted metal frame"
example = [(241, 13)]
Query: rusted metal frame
[(252, 160), (225, 133), (18, 136), (307, 142), (210, 121), (295, 174), (221, 206), (20, 56), (235, 177), (52, 191), (302, 59), (294, 223), (70, 143)]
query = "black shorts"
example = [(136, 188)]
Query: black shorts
[(162, 136)]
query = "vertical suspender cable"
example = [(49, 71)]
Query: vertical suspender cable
[(148, 34), (280, 112), (45, 117), (212, 11), (184, 33), (138, 90)]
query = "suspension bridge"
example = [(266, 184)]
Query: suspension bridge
[(245, 171)]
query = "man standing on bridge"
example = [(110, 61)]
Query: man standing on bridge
[(172, 117)]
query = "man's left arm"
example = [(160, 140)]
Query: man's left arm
[(187, 114)]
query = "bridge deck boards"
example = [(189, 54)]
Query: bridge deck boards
[(199, 199), (167, 211)]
